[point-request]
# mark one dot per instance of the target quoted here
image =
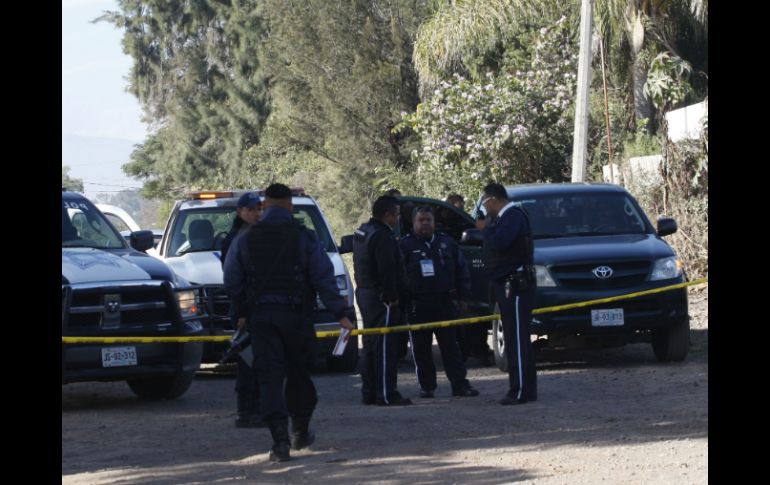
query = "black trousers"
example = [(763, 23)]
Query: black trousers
[(432, 309), (379, 374), (285, 349), (516, 314)]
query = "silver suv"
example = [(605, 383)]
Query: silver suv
[(192, 246)]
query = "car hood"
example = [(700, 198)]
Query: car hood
[(205, 268), (86, 265), (600, 248)]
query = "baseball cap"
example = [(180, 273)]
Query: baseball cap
[(250, 200)]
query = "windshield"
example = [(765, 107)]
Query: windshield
[(582, 214), (564, 215), (82, 225), (197, 230)]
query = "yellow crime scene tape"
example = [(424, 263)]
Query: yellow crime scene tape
[(383, 330)]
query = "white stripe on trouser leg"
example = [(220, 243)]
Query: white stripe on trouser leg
[(518, 350), (385, 356), (414, 359)]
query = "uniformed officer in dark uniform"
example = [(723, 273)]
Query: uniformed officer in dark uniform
[(248, 211), (273, 273), (509, 258), (436, 276), (379, 273)]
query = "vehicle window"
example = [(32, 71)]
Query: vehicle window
[(583, 215), (118, 222), (200, 230), (310, 217), (84, 226), (205, 229)]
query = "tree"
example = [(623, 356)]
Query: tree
[(513, 128), (197, 74), (68, 182)]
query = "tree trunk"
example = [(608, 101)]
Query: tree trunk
[(642, 105)]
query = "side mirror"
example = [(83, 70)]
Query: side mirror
[(141, 240), (666, 226), (346, 245), (472, 237)]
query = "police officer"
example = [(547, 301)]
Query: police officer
[(248, 211), (273, 273), (379, 274), (436, 275), (509, 257)]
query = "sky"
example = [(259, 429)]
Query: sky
[(100, 121)]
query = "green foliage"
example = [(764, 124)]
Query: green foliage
[(196, 73), (73, 184), (640, 144), (514, 128), (667, 83)]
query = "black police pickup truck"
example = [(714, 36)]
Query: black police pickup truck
[(592, 241), (113, 289)]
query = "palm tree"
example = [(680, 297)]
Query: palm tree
[(461, 29)]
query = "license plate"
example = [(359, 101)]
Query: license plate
[(118, 356), (607, 318)]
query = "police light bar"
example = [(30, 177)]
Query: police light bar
[(209, 195)]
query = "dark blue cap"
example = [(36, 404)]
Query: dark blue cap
[(249, 199)]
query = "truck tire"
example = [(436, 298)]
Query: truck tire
[(157, 388), (672, 343), (498, 342), (347, 362)]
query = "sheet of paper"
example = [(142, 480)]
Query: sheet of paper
[(342, 341)]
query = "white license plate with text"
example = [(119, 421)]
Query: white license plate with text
[(607, 318), (118, 356)]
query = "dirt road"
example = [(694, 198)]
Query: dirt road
[(603, 416)]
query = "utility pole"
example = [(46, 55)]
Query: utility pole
[(580, 139)]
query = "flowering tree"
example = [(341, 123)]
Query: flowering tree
[(514, 127)]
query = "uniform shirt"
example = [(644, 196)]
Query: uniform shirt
[(501, 232), (318, 268), (445, 254), (388, 266)]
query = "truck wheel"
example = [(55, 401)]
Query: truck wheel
[(672, 343), (499, 342), (347, 362), (162, 387)]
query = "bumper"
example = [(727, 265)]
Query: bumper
[(83, 362), (641, 314)]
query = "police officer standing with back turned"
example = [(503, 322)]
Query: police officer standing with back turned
[(436, 275), (273, 273), (379, 274), (509, 259)]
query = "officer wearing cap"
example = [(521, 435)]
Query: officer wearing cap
[(273, 273), (248, 211), (379, 273), (509, 259), (437, 275)]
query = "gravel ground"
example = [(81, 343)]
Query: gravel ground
[(603, 416)]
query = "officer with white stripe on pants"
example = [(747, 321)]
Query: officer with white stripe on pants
[(509, 257), (379, 273)]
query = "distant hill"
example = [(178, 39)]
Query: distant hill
[(97, 160)]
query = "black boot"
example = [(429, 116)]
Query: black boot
[(301, 434), (248, 411), (280, 431)]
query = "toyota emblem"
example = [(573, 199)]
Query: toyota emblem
[(602, 272)]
